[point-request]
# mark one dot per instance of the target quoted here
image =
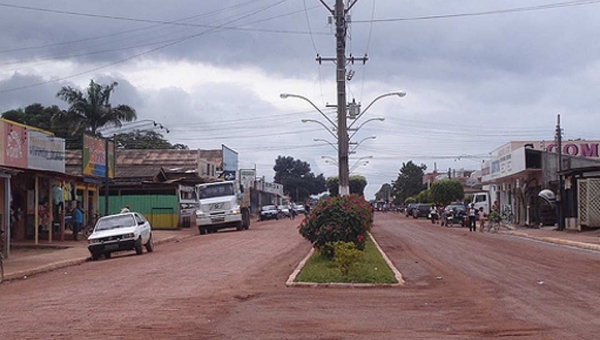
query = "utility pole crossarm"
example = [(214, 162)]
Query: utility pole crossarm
[(327, 6)]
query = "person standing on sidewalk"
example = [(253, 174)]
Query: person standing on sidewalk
[(78, 219), (472, 224)]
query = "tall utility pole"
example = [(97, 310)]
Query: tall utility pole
[(560, 196), (340, 14)]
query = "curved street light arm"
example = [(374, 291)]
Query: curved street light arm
[(398, 93), (323, 125), (287, 95), (330, 158), (326, 141), (359, 143), (381, 119)]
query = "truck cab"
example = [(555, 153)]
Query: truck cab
[(221, 205), (482, 200)]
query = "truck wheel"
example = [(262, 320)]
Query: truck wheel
[(95, 256), (202, 231)]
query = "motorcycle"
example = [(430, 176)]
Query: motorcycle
[(433, 216)]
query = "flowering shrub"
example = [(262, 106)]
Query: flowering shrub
[(343, 218)]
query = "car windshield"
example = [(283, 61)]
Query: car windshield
[(115, 221), (225, 189), (268, 207), (282, 207), (455, 207)]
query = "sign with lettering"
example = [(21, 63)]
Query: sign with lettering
[(45, 152)]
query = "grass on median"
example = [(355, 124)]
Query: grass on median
[(371, 269)]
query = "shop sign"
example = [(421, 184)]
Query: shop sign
[(582, 149), (13, 145), (502, 166), (45, 152), (94, 157), (247, 177)]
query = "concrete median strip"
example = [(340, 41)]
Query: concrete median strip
[(290, 281)]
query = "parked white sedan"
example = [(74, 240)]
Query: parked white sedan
[(127, 231)]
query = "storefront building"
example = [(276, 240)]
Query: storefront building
[(35, 189), (518, 171)]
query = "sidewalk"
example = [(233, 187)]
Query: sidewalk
[(589, 239), (26, 259)]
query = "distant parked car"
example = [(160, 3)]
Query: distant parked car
[(299, 209), (269, 212), (284, 211), (421, 210), (408, 211), (127, 231)]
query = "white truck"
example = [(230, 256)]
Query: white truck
[(222, 205)]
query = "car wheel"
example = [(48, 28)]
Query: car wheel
[(239, 226), (138, 246), (150, 244), (107, 255), (95, 256), (202, 231)]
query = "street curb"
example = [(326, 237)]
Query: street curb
[(290, 281), (582, 245), (73, 262)]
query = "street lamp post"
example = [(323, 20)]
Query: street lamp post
[(359, 143), (355, 130), (288, 95), (323, 125), (326, 141), (397, 93)]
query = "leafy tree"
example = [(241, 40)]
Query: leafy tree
[(357, 185), (35, 115), (384, 193), (145, 139), (446, 191), (424, 197), (297, 178), (409, 182), (90, 111)]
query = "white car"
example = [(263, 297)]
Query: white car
[(127, 231)]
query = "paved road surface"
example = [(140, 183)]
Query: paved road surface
[(230, 285)]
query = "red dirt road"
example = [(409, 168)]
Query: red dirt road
[(231, 285)]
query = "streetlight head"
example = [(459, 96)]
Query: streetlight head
[(381, 119), (400, 93), (304, 120), (284, 95)]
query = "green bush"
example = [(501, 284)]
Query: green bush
[(344, 218), (346, 256)]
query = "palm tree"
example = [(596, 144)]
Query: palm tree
[(90, 111)]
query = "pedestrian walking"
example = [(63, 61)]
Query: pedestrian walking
[(481, 217), (472, 224), (78, 218)]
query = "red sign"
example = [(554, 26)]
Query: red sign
[(14, 141)]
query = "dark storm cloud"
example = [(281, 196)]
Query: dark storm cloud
[(44, 94)]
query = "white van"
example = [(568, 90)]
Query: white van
[(481, 199)]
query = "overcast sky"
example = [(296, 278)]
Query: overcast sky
[(477, 73)]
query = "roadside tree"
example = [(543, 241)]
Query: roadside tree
[(446, 191), (409, 182)]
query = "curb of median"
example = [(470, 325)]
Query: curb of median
[(290, 281), (582, 245), (23, 274)]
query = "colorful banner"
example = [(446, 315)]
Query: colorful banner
[(94, 157)]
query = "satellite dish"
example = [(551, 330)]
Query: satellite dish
[(548, 196)]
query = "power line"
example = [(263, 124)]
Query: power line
[(491, 12), (128, 31), (135, 55), (174, 23)]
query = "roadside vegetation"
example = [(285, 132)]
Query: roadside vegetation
[(338, 229), (370, 268)]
